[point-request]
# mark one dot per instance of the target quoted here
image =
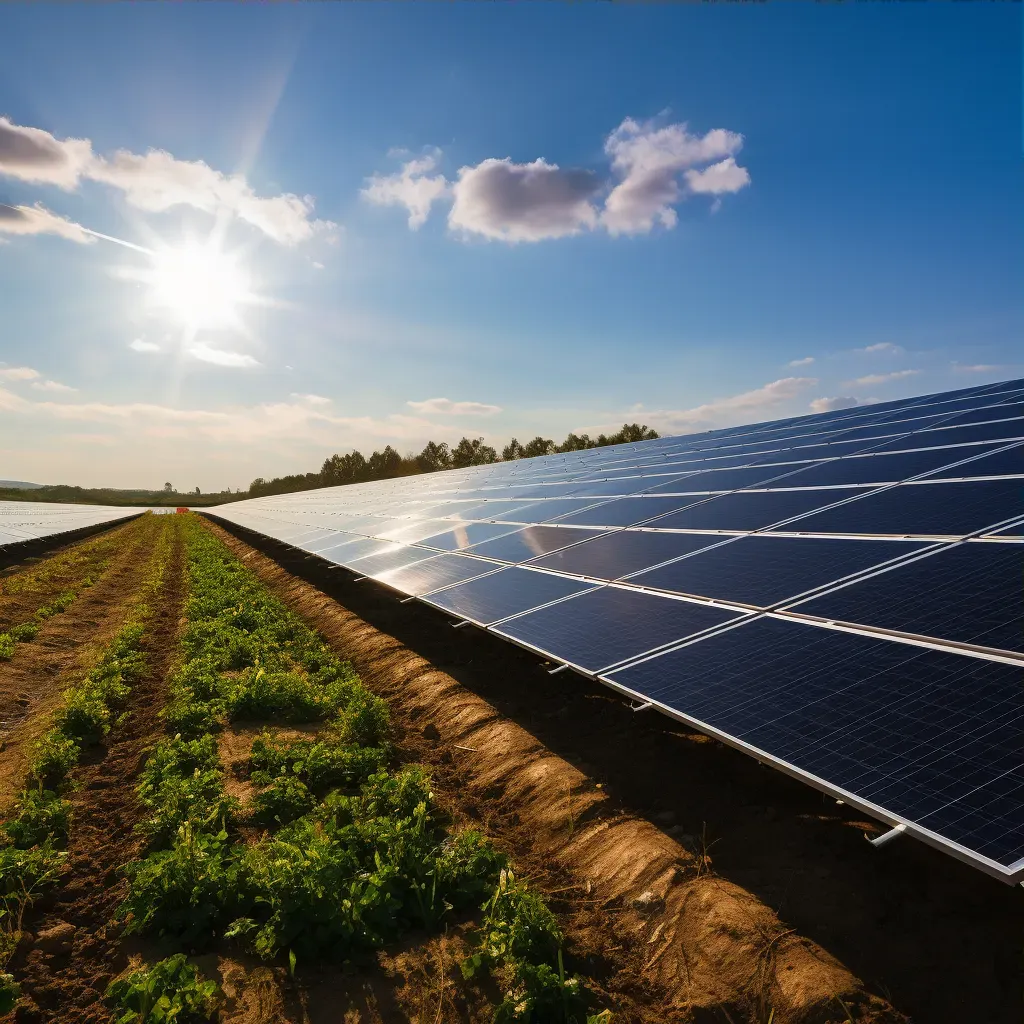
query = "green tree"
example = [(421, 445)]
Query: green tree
[(382, 465), (576, 443), (512, 451), (538, 446), (434, 457), (473, 452)]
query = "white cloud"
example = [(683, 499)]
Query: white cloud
[(157, 181), (154, 181), (806, 361), (885, 378), (412, 187), (270, 422), (747, 407), (219, 357), (310, 399), (882, 346), (19, 373), (833, 404), (976, 368), (723, 177), (652, 169), (51, 385), (37, 220), (523, 202), (446, 407), (33, 155), (140, 345), (649, 160)]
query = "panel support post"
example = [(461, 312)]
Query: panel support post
[(888, 837)]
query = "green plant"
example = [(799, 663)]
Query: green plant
[(286, 799), (9, 992), (169, 990), (25, 873), (53, 758), (185, 891), (40, 814)]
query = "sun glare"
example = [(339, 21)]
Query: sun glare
[(199, 285)]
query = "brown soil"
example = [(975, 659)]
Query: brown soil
[(645, 908), (32, 682), (67, 987), (26, 587)]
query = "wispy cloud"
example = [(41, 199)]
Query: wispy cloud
[(51, 385), (833, 404), (653, 167), (220, 357), (882, 346), (446, 407), (806, 361), (413, 187), (746, 407), (37, 220), (153, 181), (976, 368), (19, 373), (35, 156), (310, 399), (885, 378), (141, 345)]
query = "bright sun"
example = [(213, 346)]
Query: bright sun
[(199, 285)]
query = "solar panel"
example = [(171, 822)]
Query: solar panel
[(31, 520), (969, 592), (838, 595)]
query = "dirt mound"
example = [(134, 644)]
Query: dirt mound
[(707, 946)]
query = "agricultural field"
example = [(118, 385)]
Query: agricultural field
[(226, 795)]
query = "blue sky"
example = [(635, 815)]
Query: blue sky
[(371, 224)]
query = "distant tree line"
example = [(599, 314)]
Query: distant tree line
[(354, 467), (116, 496)]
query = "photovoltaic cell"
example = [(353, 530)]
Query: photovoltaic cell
[(973, 593), (755, 510), (763, 570), (880, 469), (504, 593), (610, 556), (939, 509), (433, 573), (933, 737), (610, 624), (531, 542)]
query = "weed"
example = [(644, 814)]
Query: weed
[(170, 990)]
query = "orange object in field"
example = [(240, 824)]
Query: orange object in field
[(182, 510)]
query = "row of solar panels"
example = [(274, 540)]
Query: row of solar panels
[(30, 520), (863, 633)]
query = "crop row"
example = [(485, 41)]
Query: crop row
[(91, 560), (33, 838), (339, 851)]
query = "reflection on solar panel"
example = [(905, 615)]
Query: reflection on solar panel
[(838, 595), (30, 520)]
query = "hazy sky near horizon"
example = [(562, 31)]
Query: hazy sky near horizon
[(354, 225)]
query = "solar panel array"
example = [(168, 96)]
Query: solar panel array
[(838, 595), (30, 520)]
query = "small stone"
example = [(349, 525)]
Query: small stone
[(431, 732), (57, 938), (647, 902)]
